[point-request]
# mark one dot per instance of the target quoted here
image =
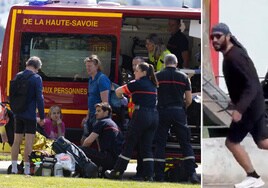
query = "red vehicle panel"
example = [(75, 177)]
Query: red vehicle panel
[(63, 35)]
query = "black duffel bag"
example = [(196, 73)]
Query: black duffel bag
[(84, 166)]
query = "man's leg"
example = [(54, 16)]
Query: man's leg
[(161, 136), (15, 149), (240, 155), (29, 141), (263, 144), (260, 132), (183, 135), (237, 132)]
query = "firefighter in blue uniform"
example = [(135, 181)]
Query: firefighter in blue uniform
[(173, 86), (143, 124), (108, 136)]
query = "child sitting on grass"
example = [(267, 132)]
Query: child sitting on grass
[(54, 127)]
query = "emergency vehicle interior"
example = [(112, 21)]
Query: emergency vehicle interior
[(55, 48)]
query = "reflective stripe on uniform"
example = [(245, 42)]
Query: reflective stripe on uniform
[(147, 159), (124, 157), (160, 160), (189, 157)]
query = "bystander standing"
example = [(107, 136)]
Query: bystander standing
[(99, 87), (25, 122)]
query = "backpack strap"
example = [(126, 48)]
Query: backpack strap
[(100, 78), (21, 76)]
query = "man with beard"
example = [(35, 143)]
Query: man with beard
[(246, 94)]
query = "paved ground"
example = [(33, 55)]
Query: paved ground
[(3, 166), (227, 186), (217, 186)]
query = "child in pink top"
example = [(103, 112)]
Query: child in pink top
[(54, 127)]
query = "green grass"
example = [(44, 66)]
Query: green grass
[(21, 181)]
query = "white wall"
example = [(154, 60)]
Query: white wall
[(247, 20)]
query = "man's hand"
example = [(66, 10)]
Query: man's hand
[(236, 116), (90, 139)]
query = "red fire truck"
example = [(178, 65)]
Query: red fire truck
[(63, 33)]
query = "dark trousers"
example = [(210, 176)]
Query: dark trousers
[(105, 160), (142, 128), (177, 118), (139, 168)]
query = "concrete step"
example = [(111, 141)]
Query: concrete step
[(220, 167)]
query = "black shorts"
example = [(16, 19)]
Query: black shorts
[(24, 126), (257, 128)]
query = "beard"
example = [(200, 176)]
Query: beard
[(220, 47)]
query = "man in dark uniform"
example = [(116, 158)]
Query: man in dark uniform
[(173, 85), (108, 137), (246, 95), (178, 43)]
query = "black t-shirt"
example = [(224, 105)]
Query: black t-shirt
[(265, 89), (172, 86), (109, 135), (242, 79), (177, 44)]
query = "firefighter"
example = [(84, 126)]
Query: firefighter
[(143, 123), (173, 86), (138, 176)]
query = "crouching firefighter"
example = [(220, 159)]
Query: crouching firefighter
[(108, 137)]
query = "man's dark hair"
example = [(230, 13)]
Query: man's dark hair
[(105, 107)]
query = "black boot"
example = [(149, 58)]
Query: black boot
[(112, 174), (195, 179), (149, 179)]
